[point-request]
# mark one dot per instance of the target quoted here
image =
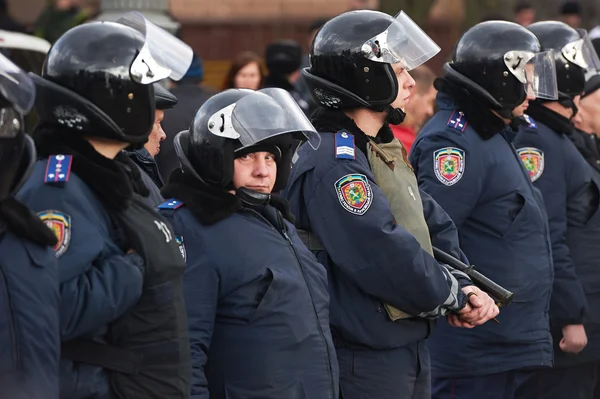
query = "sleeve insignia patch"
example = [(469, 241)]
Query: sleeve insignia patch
[(449, 165), (60, 224), (354, 193), (533, 160)]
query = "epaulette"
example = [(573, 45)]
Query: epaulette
[(344, 145), (458, 121), (58, 169), (171, 204), (531, 122)]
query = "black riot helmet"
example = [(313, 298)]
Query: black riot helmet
[(17, 150), (97, 78), (239, 121), (352, 56), (573, 54), (499, 62)]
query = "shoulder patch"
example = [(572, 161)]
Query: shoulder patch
[(533, 160), (449, 165), (58, 169), (60, 224), (457, 121), (344, 145), (171, 204), (354, 193), (179, 240), (531, 122)]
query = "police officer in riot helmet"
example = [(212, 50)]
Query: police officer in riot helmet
[(29, 321), (115, 253), (360, 209), (464, 158), (570, 187), (256, 298)]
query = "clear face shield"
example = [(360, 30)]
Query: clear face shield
[(537, 72), (402, 42), (162, 56), (262, 115), (19, 90), (581, 52)]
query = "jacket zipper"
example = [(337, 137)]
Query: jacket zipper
[(283, 232), (13, 334)]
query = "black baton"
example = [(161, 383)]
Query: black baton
[(501, 295)]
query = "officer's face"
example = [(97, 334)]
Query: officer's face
[(588, 117), (256, 171), (405, 85), (156, 135)]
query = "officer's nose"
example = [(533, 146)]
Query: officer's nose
[(260, 166)]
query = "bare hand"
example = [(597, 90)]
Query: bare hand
[(574, 338), (480, 308)]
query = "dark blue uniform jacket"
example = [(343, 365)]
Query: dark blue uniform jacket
[(570, 189), (257, 305), (369, 258), (503, 230), (29, 320), (98, 280)]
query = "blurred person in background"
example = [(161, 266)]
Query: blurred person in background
[(58, 17), (571, 14), (419, 109), (354, 5), (283, 59), (6, 20), (524, 13), (190, 95), (245, 72)]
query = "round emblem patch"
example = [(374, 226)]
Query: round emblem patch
[(354, 193), (449, 165), (60, 224), (533, 160)]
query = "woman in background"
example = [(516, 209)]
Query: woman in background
[(246, 72)]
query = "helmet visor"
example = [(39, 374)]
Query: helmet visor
[(262, 115), (15, 86), (537, 72), (163, 55), (402, 42), (581, 52)]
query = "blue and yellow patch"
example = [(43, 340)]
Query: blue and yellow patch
[(60, 224), (354, 193), (449, 165), (533, 160)]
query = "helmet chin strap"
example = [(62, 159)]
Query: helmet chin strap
[(568, 102), (395, 115), (252, 198)]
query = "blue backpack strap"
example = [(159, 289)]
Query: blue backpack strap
[(344, 145), (457, 121), (58, 169), (530, 120), (171, 204)]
